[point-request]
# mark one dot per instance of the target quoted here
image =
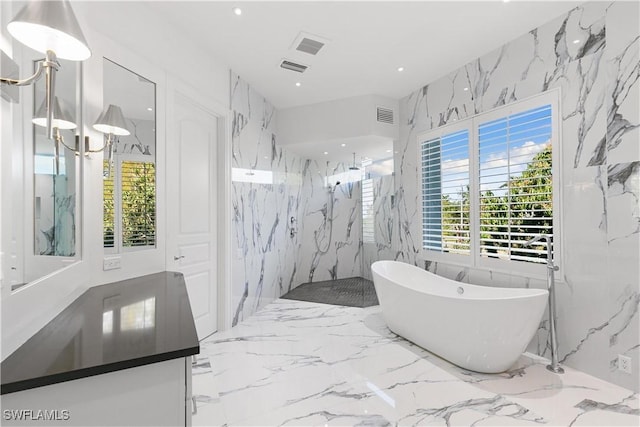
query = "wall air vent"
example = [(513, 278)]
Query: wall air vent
[(309, 46), (384, 115), (288, 65)]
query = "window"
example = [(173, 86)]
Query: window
[(516, 185), (109, 211), (129, 194), (367, 211), (487, 186), (138, 203), (445, 193)]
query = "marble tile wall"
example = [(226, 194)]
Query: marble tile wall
[(330, 226), (599, 294), (270, 186)]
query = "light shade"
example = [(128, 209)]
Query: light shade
[(112, 121), (50, 25), (61, 117)]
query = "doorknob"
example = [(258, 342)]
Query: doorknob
[(175, 258)]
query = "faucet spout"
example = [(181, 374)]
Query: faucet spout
[(537, 239)]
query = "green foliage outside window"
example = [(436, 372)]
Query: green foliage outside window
[(526, 207), (138, 205)]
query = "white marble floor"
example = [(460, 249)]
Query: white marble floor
[(308, 364)]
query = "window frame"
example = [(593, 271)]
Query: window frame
[(475, 260)]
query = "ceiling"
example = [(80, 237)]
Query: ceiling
[(367, 41)]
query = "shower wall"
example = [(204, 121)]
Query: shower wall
[(598, 75), (329, 249), (270, 186)]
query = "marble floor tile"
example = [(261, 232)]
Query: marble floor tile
[(297, 363)]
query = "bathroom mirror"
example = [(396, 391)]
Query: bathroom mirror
[(56, 170), (40, 227), (128, 122)]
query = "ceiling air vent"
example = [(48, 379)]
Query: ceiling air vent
[(288, 65), (309, 46), (384, 115)]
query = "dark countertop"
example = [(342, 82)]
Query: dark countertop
[(111, 327)]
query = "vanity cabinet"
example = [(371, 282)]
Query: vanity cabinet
[(118, 355)]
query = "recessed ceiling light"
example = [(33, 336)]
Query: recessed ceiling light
[(326, 152), (149, 109), (505, 1), (466, 89), (298, 84), (401, 69), (343, 145), (237, 11), (266, 157), (576, 41)]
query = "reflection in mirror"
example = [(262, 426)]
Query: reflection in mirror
[(40, 229), (55, 169), (128, 122), (48, 229)]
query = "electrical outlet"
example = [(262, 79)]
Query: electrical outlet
[(624, 364), (111, 263)]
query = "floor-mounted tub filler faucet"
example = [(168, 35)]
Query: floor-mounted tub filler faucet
[(551, 269)]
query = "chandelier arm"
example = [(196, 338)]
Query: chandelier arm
[(42, 64)]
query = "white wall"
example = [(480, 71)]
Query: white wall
[(130, 34), (333, 120)]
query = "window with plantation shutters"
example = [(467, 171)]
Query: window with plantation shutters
[(138, 203), (129, 217), (487, 187), (367, 211), (445, 193), (108, 216), (516, 185)]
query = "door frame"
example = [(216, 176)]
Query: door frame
[(223, 202)]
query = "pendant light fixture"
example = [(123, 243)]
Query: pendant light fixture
[(111, 123), (60, 119), (49, 27)]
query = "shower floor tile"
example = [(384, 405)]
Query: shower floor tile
[(352, 292), (309, 364)]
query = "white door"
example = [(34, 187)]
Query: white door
[(192, 140)]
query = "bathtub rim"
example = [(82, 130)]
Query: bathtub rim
[(516, 293)]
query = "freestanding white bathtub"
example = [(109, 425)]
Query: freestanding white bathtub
[(479, 328)]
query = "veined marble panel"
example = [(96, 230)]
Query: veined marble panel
[(623, 272), (300, 363), (288, 228), (330, 225), (623, 82), (266, 193), (591, 55)]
